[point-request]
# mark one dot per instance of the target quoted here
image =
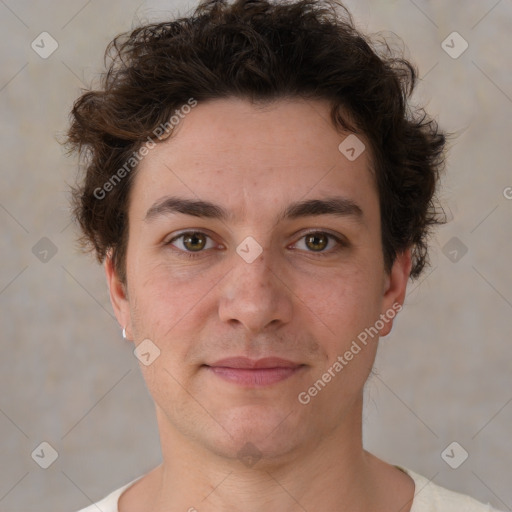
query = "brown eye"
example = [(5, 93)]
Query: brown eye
[(320, 243), (190, 242), (194, 241), (317, 241)]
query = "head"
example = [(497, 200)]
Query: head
[(257, 185)]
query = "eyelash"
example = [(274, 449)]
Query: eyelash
[(191, 254)]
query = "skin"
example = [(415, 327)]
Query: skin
[(290, 302)]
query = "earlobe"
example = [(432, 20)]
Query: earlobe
[(118, 295), (395, 289)]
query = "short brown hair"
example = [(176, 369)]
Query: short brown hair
[(260, 51)]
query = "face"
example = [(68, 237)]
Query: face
[(255, 291)]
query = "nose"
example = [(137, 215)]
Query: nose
[(256, 295)]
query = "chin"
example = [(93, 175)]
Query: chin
[(257, 435)]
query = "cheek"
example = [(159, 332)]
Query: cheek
[(342, 303), (164, 297), (344, 309), (168, 309)]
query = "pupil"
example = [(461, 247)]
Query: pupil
[(312, 238), (191, 242)]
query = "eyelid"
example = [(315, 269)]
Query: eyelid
[(323, 231), (180, 234), (340, 240)]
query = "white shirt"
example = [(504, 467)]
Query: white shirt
[(428, 497)]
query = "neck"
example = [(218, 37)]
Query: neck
[(329, 470)]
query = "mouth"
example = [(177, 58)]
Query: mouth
[(254, 373)]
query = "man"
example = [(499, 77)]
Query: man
[(260, 196)]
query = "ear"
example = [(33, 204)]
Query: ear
[(395, 286), (118, 296)]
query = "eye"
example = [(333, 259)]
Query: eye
[(320, 242), (191, 242)]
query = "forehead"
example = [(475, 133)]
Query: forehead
[(240, 154)]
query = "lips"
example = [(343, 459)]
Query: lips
[(246, 363), (254, 373)]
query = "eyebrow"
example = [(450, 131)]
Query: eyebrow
[(337, 206)]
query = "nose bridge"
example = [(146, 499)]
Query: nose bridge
[(254, 294)]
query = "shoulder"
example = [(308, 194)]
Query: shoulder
[(429, 497), (110, 502)]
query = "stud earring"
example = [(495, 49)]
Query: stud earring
[(124, 332)]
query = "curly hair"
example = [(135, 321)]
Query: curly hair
[(260, 51)]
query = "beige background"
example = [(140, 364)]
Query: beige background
[(443, 375)]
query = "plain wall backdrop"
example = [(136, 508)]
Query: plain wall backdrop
[(444, 373)]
